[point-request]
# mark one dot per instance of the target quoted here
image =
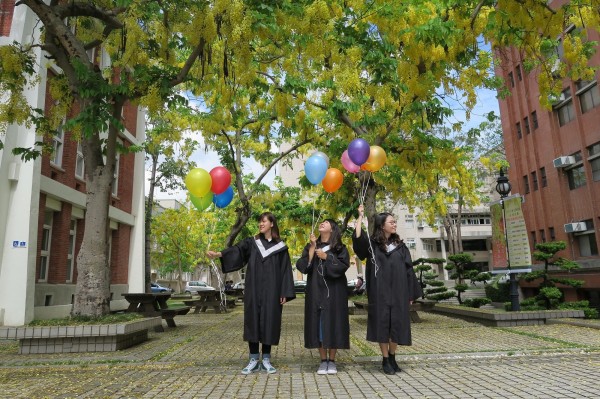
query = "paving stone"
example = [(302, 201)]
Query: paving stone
[(203, 357)]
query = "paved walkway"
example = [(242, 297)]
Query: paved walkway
[(203, 356)]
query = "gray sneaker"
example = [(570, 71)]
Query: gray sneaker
[(331, 368), (267, 366), (252, 367), (322, 368)]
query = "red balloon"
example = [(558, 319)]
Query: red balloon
[(221, 179)]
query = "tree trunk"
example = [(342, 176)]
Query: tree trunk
[(179, 277), (370, 203), (459, 245), (148, 225), (243, 215), (92, 291)]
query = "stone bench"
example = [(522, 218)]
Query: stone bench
[(169, 314), (80, 338)]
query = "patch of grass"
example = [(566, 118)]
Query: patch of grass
[(543, 338), (363, 346), (86, 320)]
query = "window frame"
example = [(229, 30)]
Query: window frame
[(58, 144), (46, 250), (71, 250)]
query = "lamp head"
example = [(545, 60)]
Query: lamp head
[(503, 186)]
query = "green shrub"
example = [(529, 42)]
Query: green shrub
[(498, 292), (476, 302), (589, 313)]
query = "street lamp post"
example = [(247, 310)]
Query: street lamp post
[(503, 188)]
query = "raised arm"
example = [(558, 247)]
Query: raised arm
[(358, 225)]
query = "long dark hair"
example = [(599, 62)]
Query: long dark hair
[(379, 235), (335, 239), (274, 229)]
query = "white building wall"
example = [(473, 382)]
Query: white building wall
[(20, 186), (19, 198)]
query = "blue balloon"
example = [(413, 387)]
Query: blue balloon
[(315, 169), (223, 199)]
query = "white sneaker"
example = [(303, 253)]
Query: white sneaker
[(252, 367), (331, 368), (322, 368), (267, 366)]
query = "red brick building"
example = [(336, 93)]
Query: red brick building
[(554, 158), (42, 206)]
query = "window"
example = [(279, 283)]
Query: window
[(511, 79), (71, 253), (587, 243), (564, 109), (519, 132), (45, 249), (552, 233), (115, 182), (533, 238), (534, 120), (589, 95), (543, 176), (576, 176), (519, 75), (534, 180), (543, 235), (526, 124), (526, 184), (474, 245), (594, 159), (410, 242), (428, 245), (474, 220), (79, 163), (409, 221), (57, 147)]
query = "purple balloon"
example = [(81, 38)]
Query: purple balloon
[(358, 151)]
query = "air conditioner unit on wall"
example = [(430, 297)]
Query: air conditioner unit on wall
[(562, 162), (575, 227)]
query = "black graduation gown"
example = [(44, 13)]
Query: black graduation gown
[(268, 278), (389, 293), (327, 277)]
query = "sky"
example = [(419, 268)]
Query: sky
[(207, 160)]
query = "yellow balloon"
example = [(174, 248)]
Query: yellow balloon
[(376, 159), (198, 182)]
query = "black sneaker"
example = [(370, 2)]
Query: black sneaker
[(387, 367), (395, 366)]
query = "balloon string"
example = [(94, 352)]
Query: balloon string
[(214, 267), (364, 187), (316, 221), (210, 236), (363, 194)]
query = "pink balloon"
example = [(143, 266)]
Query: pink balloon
[(348, 164)]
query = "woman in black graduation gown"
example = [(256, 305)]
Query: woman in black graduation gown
[(391, 286), (326, 325), (268, 285)]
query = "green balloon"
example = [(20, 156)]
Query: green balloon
[(201, 203)]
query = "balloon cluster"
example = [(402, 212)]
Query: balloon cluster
[(209, 188), (360, 155), (317, 171)]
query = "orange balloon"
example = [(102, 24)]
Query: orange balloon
[(376, 159), (333, 180)]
